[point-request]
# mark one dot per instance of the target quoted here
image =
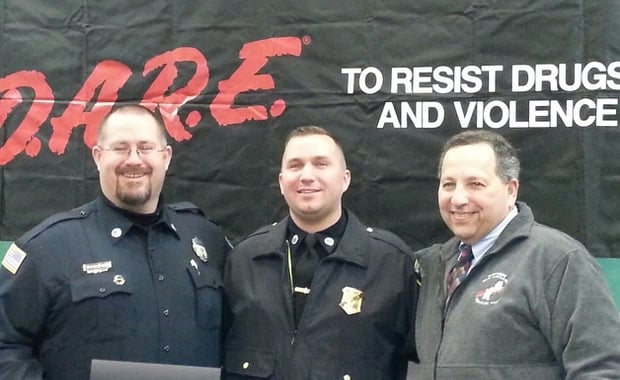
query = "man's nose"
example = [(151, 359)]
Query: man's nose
[(307, 172), (460, 195), (134, 155)]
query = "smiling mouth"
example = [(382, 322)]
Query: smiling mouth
[(461, 214), (133, 175)]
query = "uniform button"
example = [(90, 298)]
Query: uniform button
[(246, 365), (167, 348), (166, 312), (161, 277), (101, 290), (346, 377)]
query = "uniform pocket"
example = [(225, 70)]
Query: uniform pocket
[(355, 370), (208, 294), (249, 363), (106, 299)]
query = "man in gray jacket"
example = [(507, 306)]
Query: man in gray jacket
[(522, 300)]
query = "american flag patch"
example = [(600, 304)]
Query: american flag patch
[(13, 258)]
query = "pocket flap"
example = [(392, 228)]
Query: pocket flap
[(205, 277), (99, 286)]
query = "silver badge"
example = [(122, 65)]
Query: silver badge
[(119, 280), (199, 249), (351, 301)]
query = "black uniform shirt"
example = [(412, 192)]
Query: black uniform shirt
[(328, 238), (93, 284)]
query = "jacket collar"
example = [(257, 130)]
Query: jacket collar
[(353, 246), (518, 228), (355, 243), (327, 239)]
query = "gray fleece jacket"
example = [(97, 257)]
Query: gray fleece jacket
[(535, 307)]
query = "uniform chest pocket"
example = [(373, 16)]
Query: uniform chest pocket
[(208, 295), (105, 301)]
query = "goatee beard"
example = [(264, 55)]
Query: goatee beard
[(133, 199)]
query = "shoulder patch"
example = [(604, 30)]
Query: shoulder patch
[(13, 258), (186, 207)]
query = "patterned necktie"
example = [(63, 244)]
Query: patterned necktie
[(459, 271), (303, 271)]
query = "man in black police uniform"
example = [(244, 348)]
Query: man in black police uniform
[(124, 277), (351, 317)]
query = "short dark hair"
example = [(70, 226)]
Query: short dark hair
[(506, 159), (135, 109), (308, 130)]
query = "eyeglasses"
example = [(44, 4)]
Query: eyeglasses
[(126, 151)]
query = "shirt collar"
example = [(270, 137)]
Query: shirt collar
[(327, 238), (144, 220), (119, 222)]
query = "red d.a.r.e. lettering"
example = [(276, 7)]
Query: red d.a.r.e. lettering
[(100, 92)]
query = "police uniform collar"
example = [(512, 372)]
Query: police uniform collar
[(327, 238), (136, 218), (354, 246), (118, 222), (269, 240)]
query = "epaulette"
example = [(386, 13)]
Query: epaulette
[(186, 207), (77, 213), (262, 230), (388, 237)]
